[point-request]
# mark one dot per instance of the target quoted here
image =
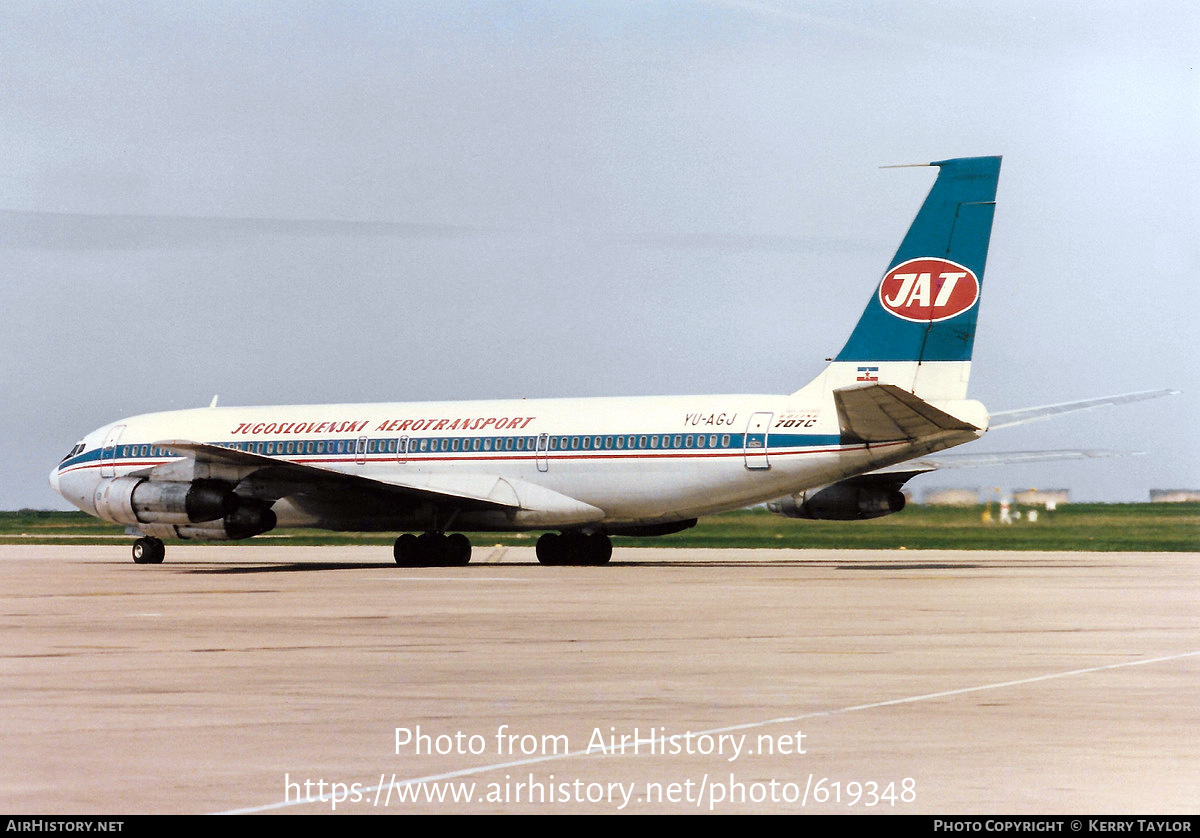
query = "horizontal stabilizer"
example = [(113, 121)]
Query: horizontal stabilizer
[(1035, 414), (886, 413), (945, 461)]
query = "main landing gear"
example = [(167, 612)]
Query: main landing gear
[(147, 550), (574, 548), (432, 549)]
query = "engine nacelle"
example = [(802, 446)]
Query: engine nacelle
[(134, 500), (650, 530), (251, 518), (840, 502)]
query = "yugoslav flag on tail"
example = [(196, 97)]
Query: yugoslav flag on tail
[(919, 326)]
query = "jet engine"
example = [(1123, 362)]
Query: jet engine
[(201, 509), (250, 518), (851, 500), (134, 500)]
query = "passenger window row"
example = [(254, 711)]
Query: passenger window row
[(631, 442)]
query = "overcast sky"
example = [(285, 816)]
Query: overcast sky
[(326, 202)]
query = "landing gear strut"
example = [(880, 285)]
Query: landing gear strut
[(432, 549), (147, 550), (574, 548)]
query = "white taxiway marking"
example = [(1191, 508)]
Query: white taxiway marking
[(459, 579), (481, 769)]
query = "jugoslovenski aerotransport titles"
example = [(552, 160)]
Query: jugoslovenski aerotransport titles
[(584, 470)]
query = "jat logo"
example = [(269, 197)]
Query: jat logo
[(928, 289)]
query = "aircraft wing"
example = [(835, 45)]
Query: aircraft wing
[(269, 478), (1033, 414)]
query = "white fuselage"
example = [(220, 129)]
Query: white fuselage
[(632, 460)]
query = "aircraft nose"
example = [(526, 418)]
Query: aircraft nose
[(54, 480)]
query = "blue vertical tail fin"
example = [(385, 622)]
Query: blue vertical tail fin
[(918, 328)]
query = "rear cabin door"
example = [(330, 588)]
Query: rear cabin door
[(755, 446)]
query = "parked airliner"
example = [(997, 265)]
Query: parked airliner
[(582, 469)]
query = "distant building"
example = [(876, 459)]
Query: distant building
[(951, 497), (1049, 498), (1174, 495)]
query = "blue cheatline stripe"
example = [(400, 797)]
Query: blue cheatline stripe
[(131, 454)]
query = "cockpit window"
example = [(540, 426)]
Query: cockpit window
[(78, 449)]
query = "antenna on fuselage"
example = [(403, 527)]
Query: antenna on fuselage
[(213, 403)]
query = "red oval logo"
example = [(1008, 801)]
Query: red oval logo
[(928, 289)]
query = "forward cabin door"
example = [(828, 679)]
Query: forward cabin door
[(108, 454), (755, 446)]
